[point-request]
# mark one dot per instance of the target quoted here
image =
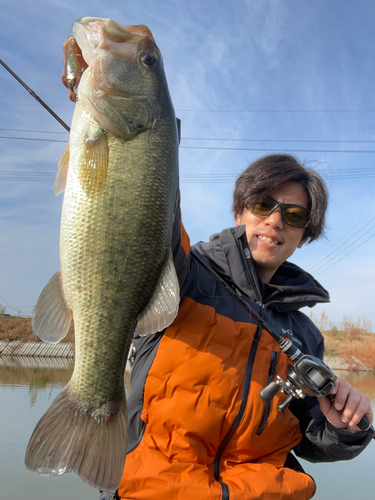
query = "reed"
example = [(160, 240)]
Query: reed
[(352, 340)]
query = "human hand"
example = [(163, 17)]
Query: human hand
[(348, 407), (72, 94)]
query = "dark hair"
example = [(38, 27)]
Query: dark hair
[(270, 172)]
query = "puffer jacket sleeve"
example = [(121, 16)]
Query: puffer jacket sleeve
[(181, 250), (322, 442)]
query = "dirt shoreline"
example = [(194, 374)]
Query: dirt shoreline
[(39, 349), (350, 348)]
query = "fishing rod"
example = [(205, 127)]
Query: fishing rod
[(31, 92), (306, 376), (72, 85)]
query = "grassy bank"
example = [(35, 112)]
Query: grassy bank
[(350, 340), (17, 328)]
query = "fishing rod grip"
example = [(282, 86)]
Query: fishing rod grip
[(365, 425)]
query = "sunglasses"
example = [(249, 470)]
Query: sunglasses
[(293, 215)]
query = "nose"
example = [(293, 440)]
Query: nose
[(274, 219)]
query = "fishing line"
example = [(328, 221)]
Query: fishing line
[(233, 296)]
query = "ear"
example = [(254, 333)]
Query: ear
[(239, 221)]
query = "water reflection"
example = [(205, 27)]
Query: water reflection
[(364, 381), (27, 388), (40, 375)]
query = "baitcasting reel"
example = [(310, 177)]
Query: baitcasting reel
[(308, 376)]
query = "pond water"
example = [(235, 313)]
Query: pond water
[(27, 388)]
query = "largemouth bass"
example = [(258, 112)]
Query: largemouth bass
[(119, 175)]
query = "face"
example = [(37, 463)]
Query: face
[(271, 241)]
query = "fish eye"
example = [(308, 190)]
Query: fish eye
[(148, 60)]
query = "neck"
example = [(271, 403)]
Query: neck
[(265, 274)]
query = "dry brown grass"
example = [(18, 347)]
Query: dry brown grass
[(18, 328), (353, 339)]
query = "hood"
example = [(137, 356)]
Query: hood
[(291, 288)]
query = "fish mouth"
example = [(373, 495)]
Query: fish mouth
[(95, 34)]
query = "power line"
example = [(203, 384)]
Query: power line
[(341, 141), (318, 260), (32, 139), (35, 131), (351, 151), (289, 149), (33, 105), (272, 140), (9, 175), (15, 308), (226, 110), (360, 244), (276, 110), (321, 262)]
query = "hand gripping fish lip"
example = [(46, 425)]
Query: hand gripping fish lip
[(108, 35)]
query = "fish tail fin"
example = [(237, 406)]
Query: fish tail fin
[(68, 439)]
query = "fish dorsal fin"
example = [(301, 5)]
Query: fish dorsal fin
[(163, 306), (94, 162), (52, 316), (62, 171)]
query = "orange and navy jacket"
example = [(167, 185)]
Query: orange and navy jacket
[(198, 428)]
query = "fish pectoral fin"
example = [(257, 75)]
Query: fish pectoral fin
[(52, 316), (62, 172), (94, 163), (163, 306)]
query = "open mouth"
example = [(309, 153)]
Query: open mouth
[(268, 240), (94, 34)]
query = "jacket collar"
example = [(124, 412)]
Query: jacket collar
[(291, 287)]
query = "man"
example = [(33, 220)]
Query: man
[(197, 425)]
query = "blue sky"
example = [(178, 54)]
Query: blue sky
[(265, 72)]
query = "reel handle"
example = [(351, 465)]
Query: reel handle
[(269, 392), (284, 404)]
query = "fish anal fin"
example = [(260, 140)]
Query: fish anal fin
[(94, 163), (68, 438), (62, 172), (52, 316), (163, 306)]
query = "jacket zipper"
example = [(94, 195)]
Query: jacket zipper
[(241, 411), (267, 405), (245, 255)]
